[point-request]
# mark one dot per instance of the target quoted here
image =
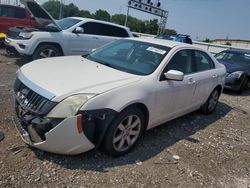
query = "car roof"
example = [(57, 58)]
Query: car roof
[(163, 42), (99, 21)]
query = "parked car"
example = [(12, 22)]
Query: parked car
[(11, 16), (178, 38), (69, 105), (237, 63), (69, 36)]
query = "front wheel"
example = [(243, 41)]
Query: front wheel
[(243, 86), (124, 132), (46, 50), (211, 102)]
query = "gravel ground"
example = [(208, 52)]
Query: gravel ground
[(191, 151)]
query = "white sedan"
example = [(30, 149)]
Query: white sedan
[(69, 105)]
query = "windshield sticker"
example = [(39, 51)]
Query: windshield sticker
[(156, 50)]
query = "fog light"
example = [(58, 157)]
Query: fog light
[(21, 46)]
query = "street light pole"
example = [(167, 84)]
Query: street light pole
[(61, 9), (126, 20)]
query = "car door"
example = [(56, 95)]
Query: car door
[(173, 98), (91, 38), (205, 76), (82, 43)]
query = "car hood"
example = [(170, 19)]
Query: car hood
[(232, 67), (58, 78), (42, 17)]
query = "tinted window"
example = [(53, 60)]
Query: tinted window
[(7, 11), (103, 29), (202, 61), (91, 28), (181, 61), (109, 30), (19, 13)]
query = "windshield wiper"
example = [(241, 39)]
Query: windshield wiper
[(109, 65), (88, 56)]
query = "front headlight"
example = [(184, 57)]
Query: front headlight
[(25, 35), (69, 106), (236, 74)]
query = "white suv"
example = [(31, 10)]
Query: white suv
[(69, 36)]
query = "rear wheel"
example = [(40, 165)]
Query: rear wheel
[(124, 132), (211, 102), (46, 50)]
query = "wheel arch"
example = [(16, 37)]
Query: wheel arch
[(219, 87), (143, 108), (50, 43)]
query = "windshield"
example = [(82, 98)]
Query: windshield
[(234, 57), (67, 23), (140, 58)]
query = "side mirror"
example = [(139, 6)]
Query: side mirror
[(174, 75), (79, 30)]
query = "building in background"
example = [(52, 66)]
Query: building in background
[(232, 42)]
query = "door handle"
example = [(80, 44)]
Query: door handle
[(95, 38), (191, 81), (215, 75)]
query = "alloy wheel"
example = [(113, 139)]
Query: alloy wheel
[(127, 133), (47, 53), (213, 100)]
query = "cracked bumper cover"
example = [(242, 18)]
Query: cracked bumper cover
[(63, 136), (62, 139)]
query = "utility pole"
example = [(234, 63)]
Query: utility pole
[(126, 20), (61, 10)]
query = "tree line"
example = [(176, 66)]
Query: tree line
[(136, 25)]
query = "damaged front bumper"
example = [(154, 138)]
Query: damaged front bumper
[(64, 138), (72, 135)]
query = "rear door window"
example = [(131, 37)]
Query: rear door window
[(104, 30), (7, 11), (110, 30), (90, 28), (202, 61), (20, 13)]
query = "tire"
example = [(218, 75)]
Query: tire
[(46, 50), (211, 102), (242, 86), (124, 132)]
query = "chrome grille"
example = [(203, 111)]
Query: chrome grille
[(30, 100), (11, 33)]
